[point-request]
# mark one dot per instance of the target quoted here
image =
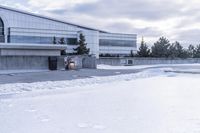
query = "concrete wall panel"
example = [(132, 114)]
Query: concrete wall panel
[(145, 61)]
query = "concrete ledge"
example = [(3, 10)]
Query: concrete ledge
[(8, 49), (31, 46)]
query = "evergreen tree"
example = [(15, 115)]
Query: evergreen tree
[(161, 48), (177, 51), (62, 41), (54, 40), (132, 54), (197, 52), (82, 49), (191, 51), (172, 51), (144, 51), (184, 54)]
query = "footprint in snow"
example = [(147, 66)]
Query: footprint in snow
[(31, 110), (43, 118), (99, 127), (89, 125), (10, 105), (84, 125)]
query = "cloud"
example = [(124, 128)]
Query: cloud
[(189, 36), (177, 20), (130, 28), (57, 11), (141, 9), (50, 5)]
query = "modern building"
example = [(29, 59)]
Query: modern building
[(27, 34)]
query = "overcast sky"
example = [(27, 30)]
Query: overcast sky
[(175, 19)]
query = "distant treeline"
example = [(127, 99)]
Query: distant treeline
[(164, 49)]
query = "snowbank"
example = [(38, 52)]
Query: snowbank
[(7, 89)]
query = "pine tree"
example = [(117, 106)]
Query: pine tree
[(82, 49), (161, 48), (62, 41), (132, 54), (197, 52), (191, 51), (176, 51), (54, 40), (144, 51)]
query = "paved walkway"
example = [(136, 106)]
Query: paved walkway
[(59, 75), (70, 75)]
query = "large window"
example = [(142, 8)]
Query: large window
[(119, 43), (30, 39), (39, 40), (72, 41), (1, 31)]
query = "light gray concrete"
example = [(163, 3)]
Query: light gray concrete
[(89, 62), (41, 62), (145, 61), (23, 62), (30, 50)]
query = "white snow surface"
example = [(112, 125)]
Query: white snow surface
[(151, 101)]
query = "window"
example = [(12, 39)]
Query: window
[(1, 31), (72, 41), (39, 40), (119, 43), (30, 39)]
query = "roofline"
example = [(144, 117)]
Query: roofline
[(118, 33), (49, 18)]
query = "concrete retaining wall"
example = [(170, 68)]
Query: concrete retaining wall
[(145, 61), (89, 62), (23, 62), (41, 62)]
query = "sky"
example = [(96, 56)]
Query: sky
[(178, 20)]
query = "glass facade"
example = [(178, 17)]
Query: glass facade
[(30, 39), (118, 43), (72, 41), (39, 40), (1, 31)]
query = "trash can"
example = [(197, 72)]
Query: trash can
[(52, 63)]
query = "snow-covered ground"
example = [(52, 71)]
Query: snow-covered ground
[(151, 101)]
